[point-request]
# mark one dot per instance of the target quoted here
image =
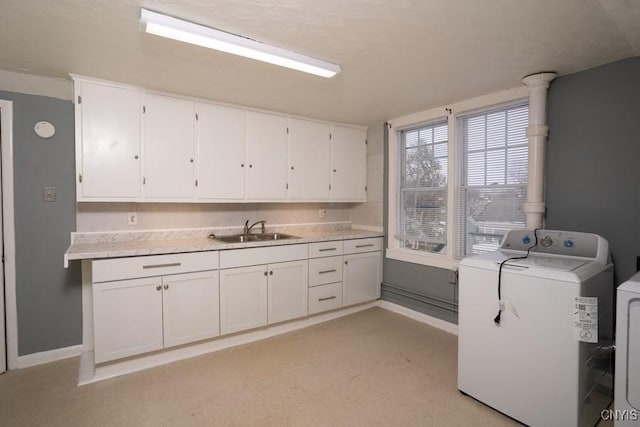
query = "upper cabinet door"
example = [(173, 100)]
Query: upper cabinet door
[(221, 152), (169, 147), (309, 160), (108, 142), (348, 163), (266, 137)]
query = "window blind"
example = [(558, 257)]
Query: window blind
[(423, 188), (494, 177)]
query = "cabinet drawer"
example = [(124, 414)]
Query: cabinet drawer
[(325, 270), (105, 270), (255, 256), (357, 246), (321, 249), (325, 297)]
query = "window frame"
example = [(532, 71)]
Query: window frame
[(449, 113)]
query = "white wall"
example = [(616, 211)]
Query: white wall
[(369, 214), (153, 216)]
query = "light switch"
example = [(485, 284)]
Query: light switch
[(49, 194)]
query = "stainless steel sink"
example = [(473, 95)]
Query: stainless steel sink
[(258, 237)]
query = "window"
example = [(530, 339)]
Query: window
[(423, 188), (457, 178), (494, 177)]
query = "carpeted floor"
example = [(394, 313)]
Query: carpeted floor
[(370, 368)]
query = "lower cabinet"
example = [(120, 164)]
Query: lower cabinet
[(287, 291), (227, 293), (361, 277), (141, 315), (243, 298), (255, 296)]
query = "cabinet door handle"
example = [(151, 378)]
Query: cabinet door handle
[(327, 271), (271, 273), (166, 286), (346, 262), (158, 287), (327, 298), (364, 246), (171, 264), (327, 249), (265, 273)]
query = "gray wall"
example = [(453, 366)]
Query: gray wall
[(592, 179), (48, 296), (593, 158)]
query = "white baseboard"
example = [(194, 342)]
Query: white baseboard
[(43, 357), (89, 373), (420, 317)]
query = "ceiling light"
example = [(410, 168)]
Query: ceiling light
[(188, 32)]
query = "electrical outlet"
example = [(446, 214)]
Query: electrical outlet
[(132, 218), (322, 213)]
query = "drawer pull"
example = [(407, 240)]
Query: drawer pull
[(327, 298), (172, 264), (327, 271), (327, 249), (364, 246)]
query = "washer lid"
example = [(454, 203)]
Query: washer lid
[(556, 263)]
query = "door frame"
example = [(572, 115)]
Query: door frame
[(11, 313)]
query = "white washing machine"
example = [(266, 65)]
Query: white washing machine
[(548, 361), (627, 389)]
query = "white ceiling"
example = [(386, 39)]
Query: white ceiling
[(397, 56)]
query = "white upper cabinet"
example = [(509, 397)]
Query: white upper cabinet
[(348, 163), (108, 142), (266, 136), (221, 152), (136, 146), (309, 160), (169, 147)]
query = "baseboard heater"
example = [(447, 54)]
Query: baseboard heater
[(420, 301)]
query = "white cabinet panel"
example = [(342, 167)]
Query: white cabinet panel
[(169, 147), (109, 142), (309, 160), (348, 163), (287, 291), (266, 137), (325, 270), (127, 318), (221, 152), (355, 246), (324, 249), (190, 304), (243, 298), (362, 275), (105, 270), (325, 297)]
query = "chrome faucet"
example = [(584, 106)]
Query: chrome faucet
[(247, 227)]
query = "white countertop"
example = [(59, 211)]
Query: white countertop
[(115, 249)]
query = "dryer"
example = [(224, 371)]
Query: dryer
[(548, 361), (627, 388)]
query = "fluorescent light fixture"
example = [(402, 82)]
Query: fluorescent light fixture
[(188, 32)]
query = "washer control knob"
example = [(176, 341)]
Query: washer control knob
[(526, 239), (568, 243), (546, 241)]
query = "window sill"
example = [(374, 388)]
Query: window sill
[(432, 260)]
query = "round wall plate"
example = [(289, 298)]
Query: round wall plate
[(44, 129)]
